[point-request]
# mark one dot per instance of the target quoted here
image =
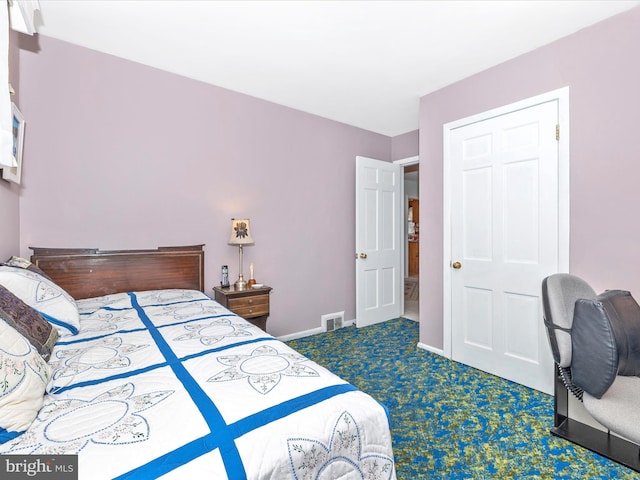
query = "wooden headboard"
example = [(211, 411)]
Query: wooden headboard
[(89, 272)]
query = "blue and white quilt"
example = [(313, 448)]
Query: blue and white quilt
[(171, 384)]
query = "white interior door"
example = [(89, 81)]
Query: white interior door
[(378, 241), (504, 241)]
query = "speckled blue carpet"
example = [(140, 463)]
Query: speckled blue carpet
[(450, 421)]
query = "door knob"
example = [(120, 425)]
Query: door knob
[(456, 265), (363, 255)]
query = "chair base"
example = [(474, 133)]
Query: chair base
[(603, 443), (614, 448)]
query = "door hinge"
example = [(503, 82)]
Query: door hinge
[(557, 132)]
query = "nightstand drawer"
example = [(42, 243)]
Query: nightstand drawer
[(248, 301), (248, 312), (250, 306)]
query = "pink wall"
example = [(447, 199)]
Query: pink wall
[(122, 155), (9, 219), (601, 66), (10, 192), (405, 146)]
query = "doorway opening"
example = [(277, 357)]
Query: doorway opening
[(412, 245)]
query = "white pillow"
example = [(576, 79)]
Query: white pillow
[(25, 375), (41, 294)]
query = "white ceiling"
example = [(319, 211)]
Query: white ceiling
[(363, 63)]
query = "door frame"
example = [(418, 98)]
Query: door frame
[(562, 96)]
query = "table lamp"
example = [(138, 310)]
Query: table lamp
[(241, 236)]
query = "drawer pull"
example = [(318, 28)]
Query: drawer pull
[(251, 300)]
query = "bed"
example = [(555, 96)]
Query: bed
[(159, 380)]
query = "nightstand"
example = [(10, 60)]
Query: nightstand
[(251, 304)]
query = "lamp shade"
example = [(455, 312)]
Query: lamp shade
[(240, 232)]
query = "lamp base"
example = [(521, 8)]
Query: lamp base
[(241, 284)]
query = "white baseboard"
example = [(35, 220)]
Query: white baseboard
[(308, 333), (429, 348), (305, 333)]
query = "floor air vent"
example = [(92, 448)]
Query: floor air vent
[(332, 321)]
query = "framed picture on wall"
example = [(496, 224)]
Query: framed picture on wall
[(13, 174)]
